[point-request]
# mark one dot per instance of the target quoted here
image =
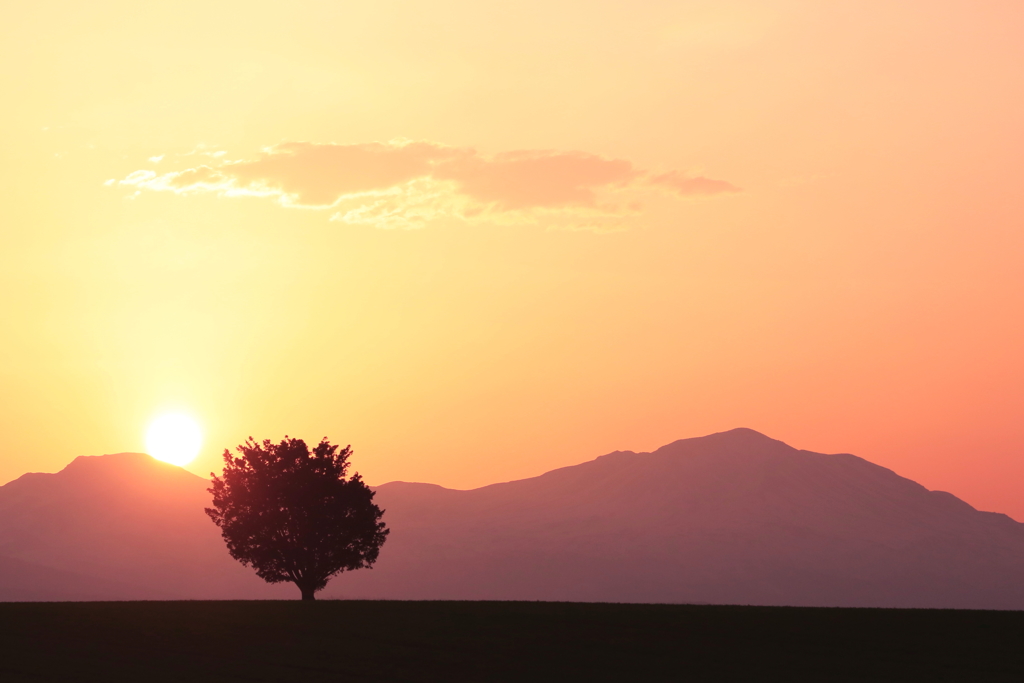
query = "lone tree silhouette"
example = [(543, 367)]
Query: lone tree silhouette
[(291, 514)]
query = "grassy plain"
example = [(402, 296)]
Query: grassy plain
[(500, 641)]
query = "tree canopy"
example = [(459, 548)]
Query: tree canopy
[(291, 514)]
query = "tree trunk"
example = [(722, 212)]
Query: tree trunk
[(307, 593)]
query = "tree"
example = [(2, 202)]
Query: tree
[(291, 514)]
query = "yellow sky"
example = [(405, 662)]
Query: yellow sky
[(479, 241)]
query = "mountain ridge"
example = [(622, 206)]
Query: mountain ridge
[(732, 517), (748, 517)]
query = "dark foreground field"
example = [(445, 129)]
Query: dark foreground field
[(500, 641)]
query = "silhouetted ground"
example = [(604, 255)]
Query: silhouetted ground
[(500, 641)]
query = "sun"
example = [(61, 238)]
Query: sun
[(174, 438)]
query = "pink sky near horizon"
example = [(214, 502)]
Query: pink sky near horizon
[(480, 241)]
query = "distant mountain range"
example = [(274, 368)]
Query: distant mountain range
[(734, 517)]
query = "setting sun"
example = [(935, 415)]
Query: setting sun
[(174, 438)]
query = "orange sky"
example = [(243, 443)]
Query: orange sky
[(479, 241)]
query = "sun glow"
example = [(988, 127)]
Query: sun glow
[(174, 438)]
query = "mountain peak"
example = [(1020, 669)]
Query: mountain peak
[(128, 470), (739, 434), (742, 438), (116, 460), (744, 431), (125, 466)]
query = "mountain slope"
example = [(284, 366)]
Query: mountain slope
[(27, 582), (734, 517), (121, 526)]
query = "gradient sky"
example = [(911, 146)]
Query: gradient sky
[(479, 241)]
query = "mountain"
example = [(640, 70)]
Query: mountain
[(27, 582), (121, 527), (734, 517)]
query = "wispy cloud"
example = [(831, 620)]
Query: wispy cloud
[(404, 184)]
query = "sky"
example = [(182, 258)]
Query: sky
[(479, 241)]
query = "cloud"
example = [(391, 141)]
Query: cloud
[(408, 184), (524, 180), (684, 185)]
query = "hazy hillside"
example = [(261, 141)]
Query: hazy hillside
[(734, 517), (729, 518), (121, 526)]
